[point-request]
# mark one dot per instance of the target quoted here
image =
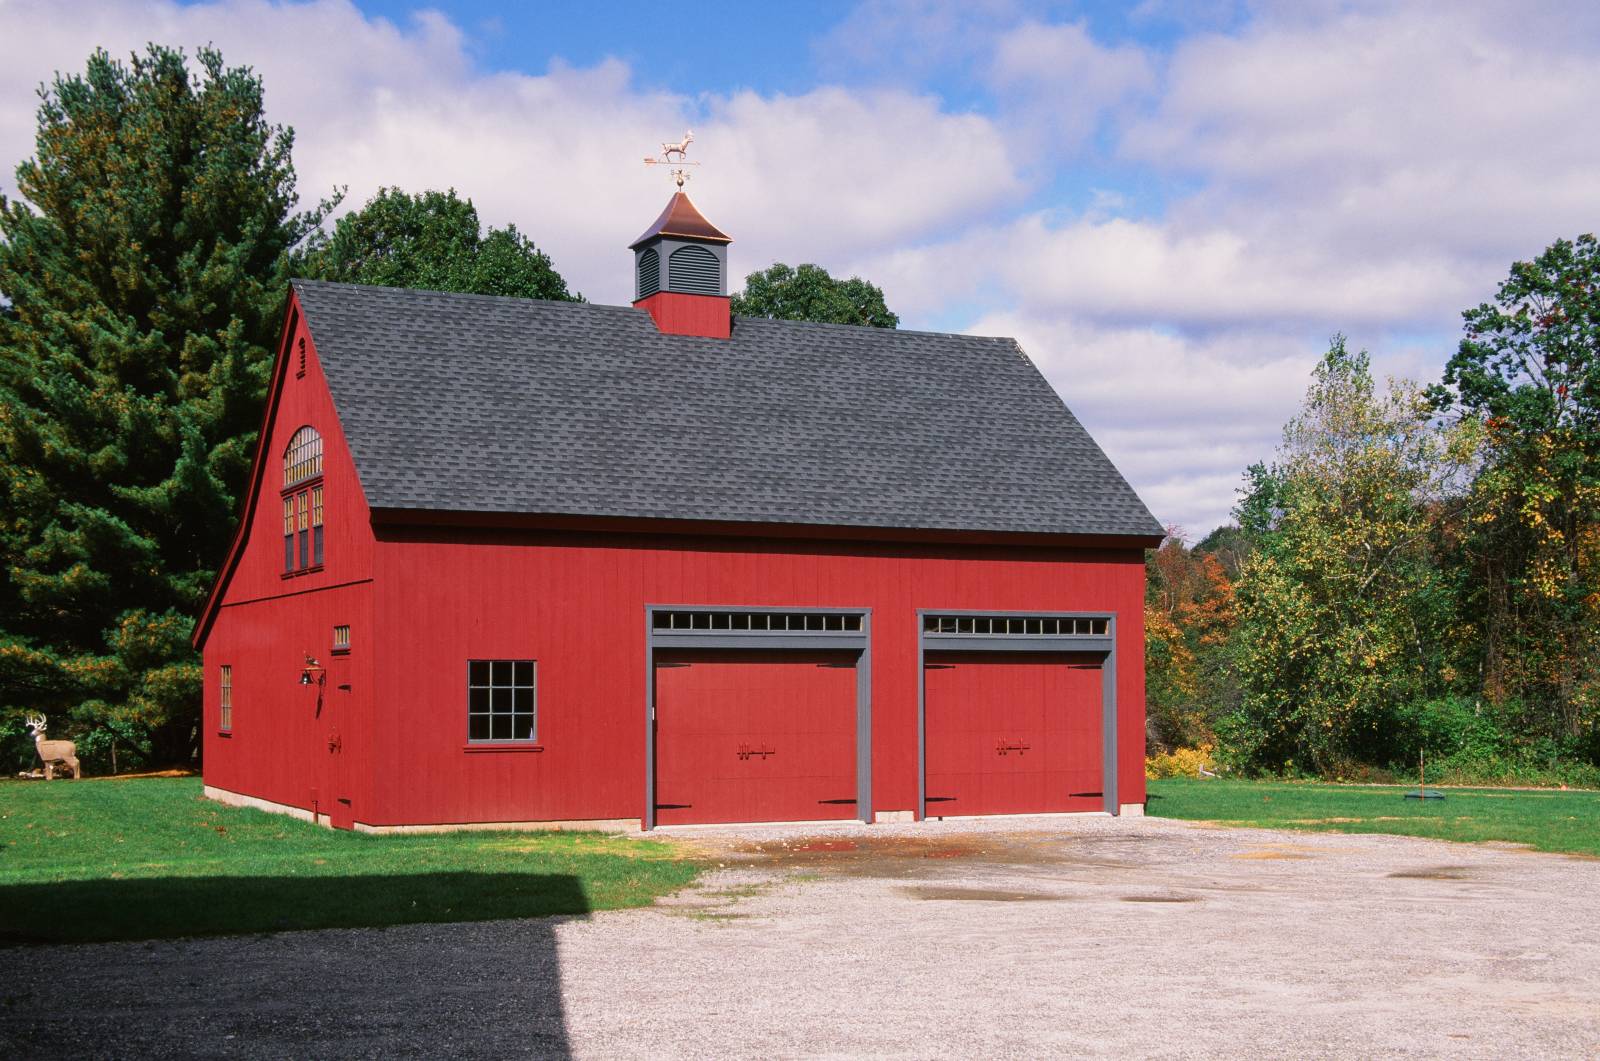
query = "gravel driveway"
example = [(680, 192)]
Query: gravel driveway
[(1023, 938)]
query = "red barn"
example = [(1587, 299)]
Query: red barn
[(509, 561)]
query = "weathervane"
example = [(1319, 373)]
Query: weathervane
[(681, 149)]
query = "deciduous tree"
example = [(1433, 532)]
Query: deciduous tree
[(1529, 369), (1190, 617), (1344, 616), (433, 241), (810, 294)]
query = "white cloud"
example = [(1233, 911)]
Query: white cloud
[(1064, 80), (1128, 271), (1371, 130), (818, 176)]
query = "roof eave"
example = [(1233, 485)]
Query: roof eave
[(401, 516)]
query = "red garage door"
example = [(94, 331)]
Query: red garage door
[(750, 736), (1013, 733)]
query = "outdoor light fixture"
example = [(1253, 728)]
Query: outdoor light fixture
[(311, 667)]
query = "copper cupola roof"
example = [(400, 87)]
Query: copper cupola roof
[(680, 219)]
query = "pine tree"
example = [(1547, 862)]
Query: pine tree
[(144, 278)]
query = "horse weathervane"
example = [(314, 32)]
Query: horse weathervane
[(681, 149)]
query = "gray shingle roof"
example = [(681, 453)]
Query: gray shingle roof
[(483, 404)]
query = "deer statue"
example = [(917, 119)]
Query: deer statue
[(53, 751), (681, 148)]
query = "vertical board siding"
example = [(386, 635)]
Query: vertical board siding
[(267, 624), (278, 748), (576, 603), (751, 736), (1013, 733)]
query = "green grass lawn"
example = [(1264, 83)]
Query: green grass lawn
[(152, 859), (1544, 820)]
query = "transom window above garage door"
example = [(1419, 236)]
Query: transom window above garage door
[(757, 622), (1016, 625)]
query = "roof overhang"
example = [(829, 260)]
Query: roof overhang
[(633, 525)]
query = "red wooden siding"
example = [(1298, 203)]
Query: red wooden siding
[(576, 603), (348, 542), (291, 743), (1012, 733), (287, 744), (677, 313), (744, 736)]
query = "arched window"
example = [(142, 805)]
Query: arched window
[(302, 502), (694, 269), (302, 459)]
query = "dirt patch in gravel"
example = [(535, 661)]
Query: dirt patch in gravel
[(1434, 873), (982, 895), (1276, 853), (899, 855)]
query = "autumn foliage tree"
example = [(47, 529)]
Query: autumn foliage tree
[(1529, 370), (1189, 622)]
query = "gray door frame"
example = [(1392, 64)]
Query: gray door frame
[(1104, 645), (857, 641)]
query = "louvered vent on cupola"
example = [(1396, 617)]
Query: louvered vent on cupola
[(694, 270), (649, 273)]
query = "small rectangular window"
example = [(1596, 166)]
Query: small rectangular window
[(502, 700), (225, 697), (341, 639)]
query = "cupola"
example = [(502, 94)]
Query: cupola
[(680, 269)]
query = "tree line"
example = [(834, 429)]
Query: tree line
[(1416, 572), (143, 276)]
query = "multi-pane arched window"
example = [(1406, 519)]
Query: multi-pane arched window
[(302, 501)]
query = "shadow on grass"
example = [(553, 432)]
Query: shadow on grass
[(92, 911), (477, 990)]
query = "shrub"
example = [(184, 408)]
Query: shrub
[(1182, 762)]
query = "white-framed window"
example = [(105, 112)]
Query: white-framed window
[(341, 639)]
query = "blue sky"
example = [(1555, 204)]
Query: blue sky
[(1172, 205)]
